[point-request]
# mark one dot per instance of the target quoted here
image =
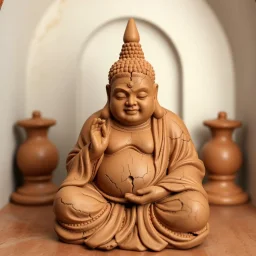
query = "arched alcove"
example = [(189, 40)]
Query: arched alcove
[(184, 35), (100, 51)]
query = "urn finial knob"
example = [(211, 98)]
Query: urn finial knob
[(222, 115), (36, 114)]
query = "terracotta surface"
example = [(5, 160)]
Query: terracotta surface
[(37, 157), (134, 178), (28, 231), (1, 3), (223, 158)]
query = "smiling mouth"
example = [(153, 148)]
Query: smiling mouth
[(131, 111)]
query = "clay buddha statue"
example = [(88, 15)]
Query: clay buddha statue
[(134, 178)]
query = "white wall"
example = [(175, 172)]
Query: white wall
[(45, 55), (18, 20), (239, 22)]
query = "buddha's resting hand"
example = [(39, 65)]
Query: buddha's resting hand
[(99, 138), (147, 195)]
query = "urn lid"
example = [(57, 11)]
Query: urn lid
[(36, 121), (222, 122)]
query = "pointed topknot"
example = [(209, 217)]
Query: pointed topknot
[(131, 33), (131, 58)]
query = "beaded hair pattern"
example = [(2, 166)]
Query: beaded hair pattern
[(131, 58)]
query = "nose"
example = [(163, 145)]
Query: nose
[(131, 101)]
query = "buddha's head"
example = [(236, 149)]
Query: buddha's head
[(132, 91)]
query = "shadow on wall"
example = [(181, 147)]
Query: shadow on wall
[(19, 135), (239, 23)]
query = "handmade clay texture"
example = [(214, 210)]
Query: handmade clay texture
[(134, 178), (1, 3), (223, 158), (37, 157)]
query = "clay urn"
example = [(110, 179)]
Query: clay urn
[(37, 157), (223, 158)]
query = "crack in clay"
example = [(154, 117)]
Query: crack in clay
[(131, 154), (168, 170), (142, 177), (182, 204), (181, 208), (131, 178), (175, 233), (191, 212), (184, 140), (129, 170), (131, 76), (72, 206), (142, 80), (195, 215), (93, 198), (122, 176), (182, 132), (176, 137), (196, 201), (114, 184)]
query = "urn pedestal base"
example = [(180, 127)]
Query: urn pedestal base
[(37, 157), (223, 158), (222, 190), (35, 191)]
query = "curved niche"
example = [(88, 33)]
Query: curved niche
[(102, 49), (77, 41)]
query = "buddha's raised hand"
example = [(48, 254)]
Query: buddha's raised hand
[(99, 138), (147, 195)]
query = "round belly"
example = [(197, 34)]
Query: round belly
[(125, 171)]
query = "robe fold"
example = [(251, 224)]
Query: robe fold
[(105, 222)]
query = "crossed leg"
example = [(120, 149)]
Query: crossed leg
[(186, 212), (83, 215)]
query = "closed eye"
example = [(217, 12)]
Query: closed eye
[(142, 95), (120, 95)]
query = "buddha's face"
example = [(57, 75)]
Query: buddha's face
[(132, 99)]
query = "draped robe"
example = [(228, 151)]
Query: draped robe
[(85, 214)]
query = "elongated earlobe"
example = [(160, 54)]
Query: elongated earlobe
[(105, 113), (159, 111)]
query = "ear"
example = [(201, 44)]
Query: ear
[(156, 90), (108, 90), (159, 111), (105, 112)]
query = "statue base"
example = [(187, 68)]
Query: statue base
[(222, 190), (35, 191)]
